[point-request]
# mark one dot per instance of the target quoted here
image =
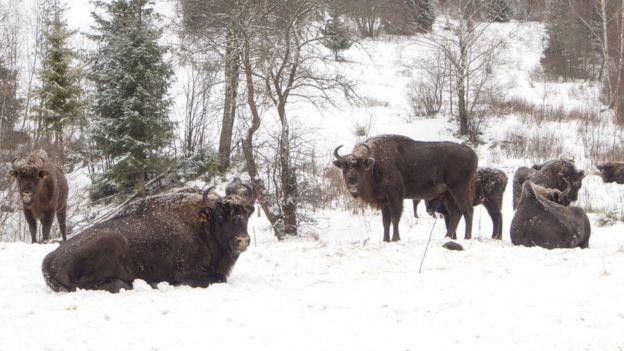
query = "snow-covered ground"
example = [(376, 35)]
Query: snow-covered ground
[(339, 287)]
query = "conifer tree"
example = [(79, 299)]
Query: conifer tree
[(131, 77), (59, 92), (425, 15), (499, 11), (336, 36)]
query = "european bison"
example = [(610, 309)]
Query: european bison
[(43, 191), (385, 169), (540, 222), (551, 174), (182, 238), (612, 172), (489, 190)]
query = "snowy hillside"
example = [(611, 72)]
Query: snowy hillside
[(339, 287)]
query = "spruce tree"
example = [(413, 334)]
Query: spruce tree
[(336, 36), (131, 77), (499, 11), (425, 15), (59, 92)]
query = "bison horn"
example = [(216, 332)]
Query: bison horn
[(18, 162), (567, 189), (338, 157), (367, 149), (206, 200), (250, 198)]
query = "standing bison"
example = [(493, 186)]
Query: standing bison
[(183, 238), (540, 222), (611, 172), (384, 170), (489, 190), (43, 191), (554, 174)]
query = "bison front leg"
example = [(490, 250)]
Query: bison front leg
[(385, 216), (415, 204), (32, 225), (46, 225), (396, 209)]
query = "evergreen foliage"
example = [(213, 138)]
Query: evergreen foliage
[(425, 15), (59, 93), (131, 77), (336, 36), (499, 11)]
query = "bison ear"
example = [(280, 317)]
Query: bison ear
[(369, 162), (13, 174), (44, 174), (338, 163)]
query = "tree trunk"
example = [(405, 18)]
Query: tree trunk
[(619, 86), (232, 61), (461, 87), (252, 168), (288, 179), (605, 51)]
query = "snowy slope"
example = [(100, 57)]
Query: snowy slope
[(340, 287)]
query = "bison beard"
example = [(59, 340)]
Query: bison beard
[(43, 191), (181, 238), (540, 222), (386, 169)]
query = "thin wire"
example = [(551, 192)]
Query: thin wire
[(427, 246)]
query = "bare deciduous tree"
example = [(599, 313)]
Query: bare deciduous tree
[(472, 51)]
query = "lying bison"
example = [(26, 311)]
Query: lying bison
[(384, 170), (611, 172), (554, 174), (43, 191), (540, 222), (489, 190), (183, 238)]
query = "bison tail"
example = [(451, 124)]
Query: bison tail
[(49, 276)]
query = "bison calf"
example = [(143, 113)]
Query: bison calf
[(180, 238), (540, 222), (43, 190), (489, 190), (384, 170)]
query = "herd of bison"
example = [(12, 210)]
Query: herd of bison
[(193, 237)]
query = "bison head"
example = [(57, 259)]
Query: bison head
[(226, 219), (564, 170), (354, 167), (29, 175), (611, 172)]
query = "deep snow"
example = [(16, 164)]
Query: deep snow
[(340, 287)]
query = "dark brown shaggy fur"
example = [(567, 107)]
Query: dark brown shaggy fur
[(43, 190), (176, 238), (489, 190), (612, 172), (555, 174), (384, 170), (539, 222)]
